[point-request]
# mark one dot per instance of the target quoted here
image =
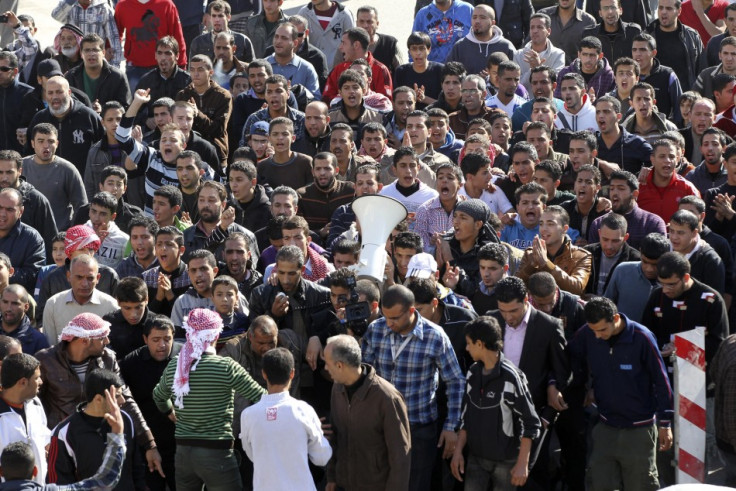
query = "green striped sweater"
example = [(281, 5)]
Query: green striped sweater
[(208, 408)]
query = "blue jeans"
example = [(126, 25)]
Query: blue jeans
[(479, 472), (214, 467)]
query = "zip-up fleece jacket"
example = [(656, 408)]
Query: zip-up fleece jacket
[(474, 53), (329, 39), (629, 377), (497, 411), (443, 28)]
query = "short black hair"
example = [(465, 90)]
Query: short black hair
[(669, 264), (487, 330), (473, 162), (551, 167), (409, 240), (600, 309), (131, 289), (687, 218), (160, 323), (531, 188), (105, 200), (98, 380), (494, 252), (698, 203), (397, 295), (653, 245), (17, 366), (346, 246), (424, 290), (277, 365), (17, 461), (511, 288), (171, 193), (172, 231), (542, 284), (113, 170), (339, 278), (144, 221), (622, 175)]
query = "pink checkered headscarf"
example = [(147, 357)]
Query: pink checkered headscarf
[(80, 237), (203, 326), (85, 325)]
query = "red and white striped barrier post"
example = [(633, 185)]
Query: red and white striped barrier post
[(690, 414)]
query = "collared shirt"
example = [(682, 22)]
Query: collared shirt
[(298, 71), (63, 307), (415, 368), (513, 339), (263, 115), (432, 218)]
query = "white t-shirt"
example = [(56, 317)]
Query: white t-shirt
[(497, 202)]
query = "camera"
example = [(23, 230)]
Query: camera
[(357, 313), (3, 19)]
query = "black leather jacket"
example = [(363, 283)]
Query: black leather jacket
[(312, 297)]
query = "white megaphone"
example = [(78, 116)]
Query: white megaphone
[(378, 216)]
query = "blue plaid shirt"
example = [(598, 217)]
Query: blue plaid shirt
[(415, 372)]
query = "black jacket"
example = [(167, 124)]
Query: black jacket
[(141, 374), (667, 90), (628, 253), (37, 213), (617, 45), (111, 84), (256, 214), (637, 11), (56, 282), (468, 261), (195, 239), (312, 299), (78, 131), (11, 108), (160, 87), (33, 103), (707, 267), (543, 357), (569, 309), (694, 46), (124, 337), (77, 447), (27, 252), (312, 146)]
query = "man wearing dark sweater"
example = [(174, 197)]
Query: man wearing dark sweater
[(705, 264)]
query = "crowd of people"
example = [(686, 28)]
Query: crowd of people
[(178, 295)]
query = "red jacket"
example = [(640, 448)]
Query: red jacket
[(725, 121), (665, 201), (144, 24), (381, 81)]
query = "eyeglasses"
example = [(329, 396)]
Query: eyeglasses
[(669, 286), (5, 68)]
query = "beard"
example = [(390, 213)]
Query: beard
[(209, 216), (69, 52), (63, 109)]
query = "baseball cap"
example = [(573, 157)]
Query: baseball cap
[(49, 68), (260, 128), (422, 266)]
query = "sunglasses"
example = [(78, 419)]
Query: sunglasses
[(5, 68)]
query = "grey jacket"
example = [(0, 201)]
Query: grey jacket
[(256, 31), (328, 40)]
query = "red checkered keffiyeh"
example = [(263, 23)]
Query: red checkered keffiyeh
[(80, 237), (203, 326), (85, 325)]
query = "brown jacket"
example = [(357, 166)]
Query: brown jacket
[(213, 113), (571, 267), (62, 390), (317, 205), (372, 443), (460, 120)]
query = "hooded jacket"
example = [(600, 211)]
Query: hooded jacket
[(583, 120), (553, 57), (255, 214), (78, 131), (602, 81), (474, 53), (444, 28), (452, 146), (328, 39), (468, 261)]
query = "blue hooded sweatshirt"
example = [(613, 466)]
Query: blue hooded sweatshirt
[(444, 28)]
